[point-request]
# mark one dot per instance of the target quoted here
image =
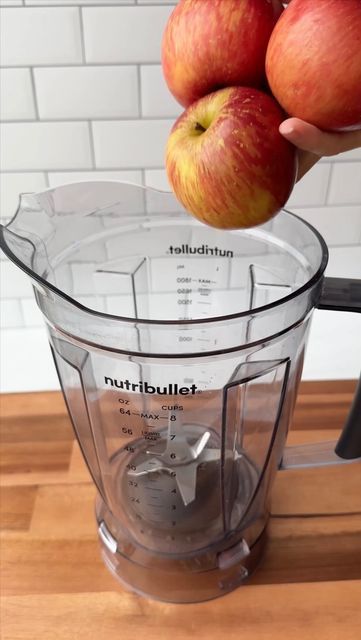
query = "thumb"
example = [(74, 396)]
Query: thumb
[(309, 138)]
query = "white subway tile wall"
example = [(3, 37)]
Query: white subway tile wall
[(40, 35), (17, 101), (13, 184), (45, 145), (312, 189), (87, 92), (345, 187), (83, 98), (128, 143), (124, 34), (157, 100)]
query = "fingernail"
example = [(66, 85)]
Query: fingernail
[(286, 128)]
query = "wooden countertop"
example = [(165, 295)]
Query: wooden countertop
[(55, 587)]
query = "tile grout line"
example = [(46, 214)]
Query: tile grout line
[(82, 39), (77, 169), (107, 63), (92, 147), (140, 92), (35, 95), (328, 188), (123, 118), (107, 5), (87, 5)]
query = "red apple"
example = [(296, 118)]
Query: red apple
[(226, 161), (313, 62), (209, 44)]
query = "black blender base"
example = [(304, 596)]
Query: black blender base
[(182, 586)]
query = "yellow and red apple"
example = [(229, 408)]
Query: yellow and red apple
[(313, 62), (226, 161), (209, 44)]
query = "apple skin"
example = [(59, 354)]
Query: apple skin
[(209, 44), (226, 161), (313, 62)]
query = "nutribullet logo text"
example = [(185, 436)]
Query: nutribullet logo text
[(202, 250), (172, 389)]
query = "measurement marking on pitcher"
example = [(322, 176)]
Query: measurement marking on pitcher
[(155, 416), (202, 280)]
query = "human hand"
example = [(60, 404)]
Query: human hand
[(312, 143)]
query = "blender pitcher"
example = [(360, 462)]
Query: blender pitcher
[(179, 350)]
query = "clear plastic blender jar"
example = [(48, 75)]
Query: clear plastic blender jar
[(179, 349)]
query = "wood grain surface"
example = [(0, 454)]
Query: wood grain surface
[(55, 587)]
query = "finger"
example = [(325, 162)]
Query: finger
[(309, 138)]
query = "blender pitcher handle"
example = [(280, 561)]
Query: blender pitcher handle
[(338, 294)]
